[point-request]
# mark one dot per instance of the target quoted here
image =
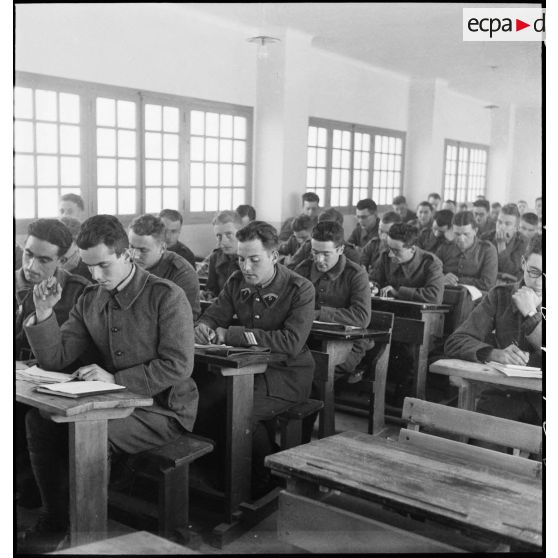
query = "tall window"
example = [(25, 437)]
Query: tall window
[(464, 171), (126, 151), (349, 162)]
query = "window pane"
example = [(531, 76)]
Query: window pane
[(196, 199), (344, 178), (211, 124), (153, 117), (211, 174), (23, 136), (346, 141), (239, 151), (170, 146), (126, 201), (126, 143), (47, 138), (310, 178), (197, 123), (225, 177), (47, 202), (47, 170), (211, 149), (239, 127), (335, 197), (69, 140), (153, 173), (226, 128), (345, 159), (153, 147), (45, 105), (312, 135), (335, 178), (126, 118), (239, 173), (336, 158), (23, 102), (24, 170), (225, 151), (126, 172), (170, 173), (106, 142), (321, 157), (196, 149), (322, 137), (70, 171), (152, 200), (311, 161), (69, 108), (320, 177), (211, 199), (170, 120), (344, 198), (365, 142), (225, 198), (106, 112), (24, 199), (106, 201), (170, 198), (238, 197), (106, 172), (196, 174), (337, 139)]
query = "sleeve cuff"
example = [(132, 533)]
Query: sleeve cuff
[(483, 354)]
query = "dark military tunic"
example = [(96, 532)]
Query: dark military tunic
[(360, 236), (221, 267), (477, 266), (185, 252), (409, 216), (280, 316), (370, 253), (305, 252), (420, 279), (509, 260), (487, 228), (428, 241), (173, 267), (289, 247)]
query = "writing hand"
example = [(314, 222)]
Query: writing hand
[(387, 291), (203, 334), (93, 372), (451, 279), (512, 354)]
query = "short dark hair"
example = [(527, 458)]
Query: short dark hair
[(331, 214), (404, 232), (329, 231), (464, 218), (522, 201), (310, 197), (259, 230), (496, 205), (74, 198), (303, 223), (103, 229), (482, 203), (451, 201), (426, 204), (148, 225), (391, 217), (367, 203), (227, 216), (398, 200), (531, 218), (52, 231), (73, 224), (246, 210), (435, 195), (534, 246), (510, 209), (444, 218), (171, 215)]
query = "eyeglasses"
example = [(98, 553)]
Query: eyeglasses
[(533, 272)]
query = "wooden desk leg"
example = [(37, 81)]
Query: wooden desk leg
[(430, 323), (376, 416), (240, 403), (88, 481)]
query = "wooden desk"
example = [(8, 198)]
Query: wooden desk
[(473, 377), (446, 490), (87, 419), (406, 329), (338, 344)]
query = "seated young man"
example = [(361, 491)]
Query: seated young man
[(529, 225), (509, 243), (406, 272), (302, 230), (425, 214), (400, 207), (146, 235), (172, 220), (247, 213), (305, 250), (481, 211), (274, 306), (310, 207), (506, 327), (71, 205), (367, 223), (375, 246), (450, 205), (468, 260), (342, 287), (149, 321), (539, 207), (223, 261), (435, 201), (495, 210), (71, 260), (440, 233), (521, 206)]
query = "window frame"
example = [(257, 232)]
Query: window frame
[(89, 91)]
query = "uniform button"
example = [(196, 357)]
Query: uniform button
[(118, 353), (257, 316), (116, 307), (257, 299), (114, 329)]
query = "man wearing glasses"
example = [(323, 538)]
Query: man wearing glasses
[(513, 313)]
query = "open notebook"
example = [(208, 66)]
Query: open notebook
[(79, 388), (37, 375), (333, 326), (516, 371), (229, 350)]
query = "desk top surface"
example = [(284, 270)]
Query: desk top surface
[(413, 478), (349, 334), (67, 406), (379, 302), (482, 373)]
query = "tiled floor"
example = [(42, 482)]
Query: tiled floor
[(261, 539)]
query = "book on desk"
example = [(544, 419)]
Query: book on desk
[(229, 350), (79, 388), (516, 371), (333, 326)]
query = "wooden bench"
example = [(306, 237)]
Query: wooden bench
[(290, 421), (169, 467), (524, 438)]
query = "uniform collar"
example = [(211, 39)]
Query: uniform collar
[(127, 296), (333, 274), (472, 249), (409, 268)]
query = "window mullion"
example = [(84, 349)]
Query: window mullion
[(329, 162), (140, 169)]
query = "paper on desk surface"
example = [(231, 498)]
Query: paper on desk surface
[(82, 387), (38, 375), (473, 291), (211, 345)]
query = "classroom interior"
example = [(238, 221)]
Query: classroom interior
[(354, 68)]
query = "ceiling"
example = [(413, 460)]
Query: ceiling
[(422, 40)]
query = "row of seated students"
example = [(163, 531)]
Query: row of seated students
[(126, 325)]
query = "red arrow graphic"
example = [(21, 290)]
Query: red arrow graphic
[(519, 25)]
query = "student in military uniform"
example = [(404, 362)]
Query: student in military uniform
[(223, 261), (142, 328), (506, 327), (247, 213), (495, 210), (18, 255), (71, 260), (310, 207), (146, 234), (407, 272), (539, 208), (71, 205), (375, 246), (305, 251), (172, 220), (450, 205), (425, 213), (302, 230), (367, 223), (509, 243), (468, 260), (400, 207), (529, 225), (274, 306), (435, 201), (481, 211), (440, 233)]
